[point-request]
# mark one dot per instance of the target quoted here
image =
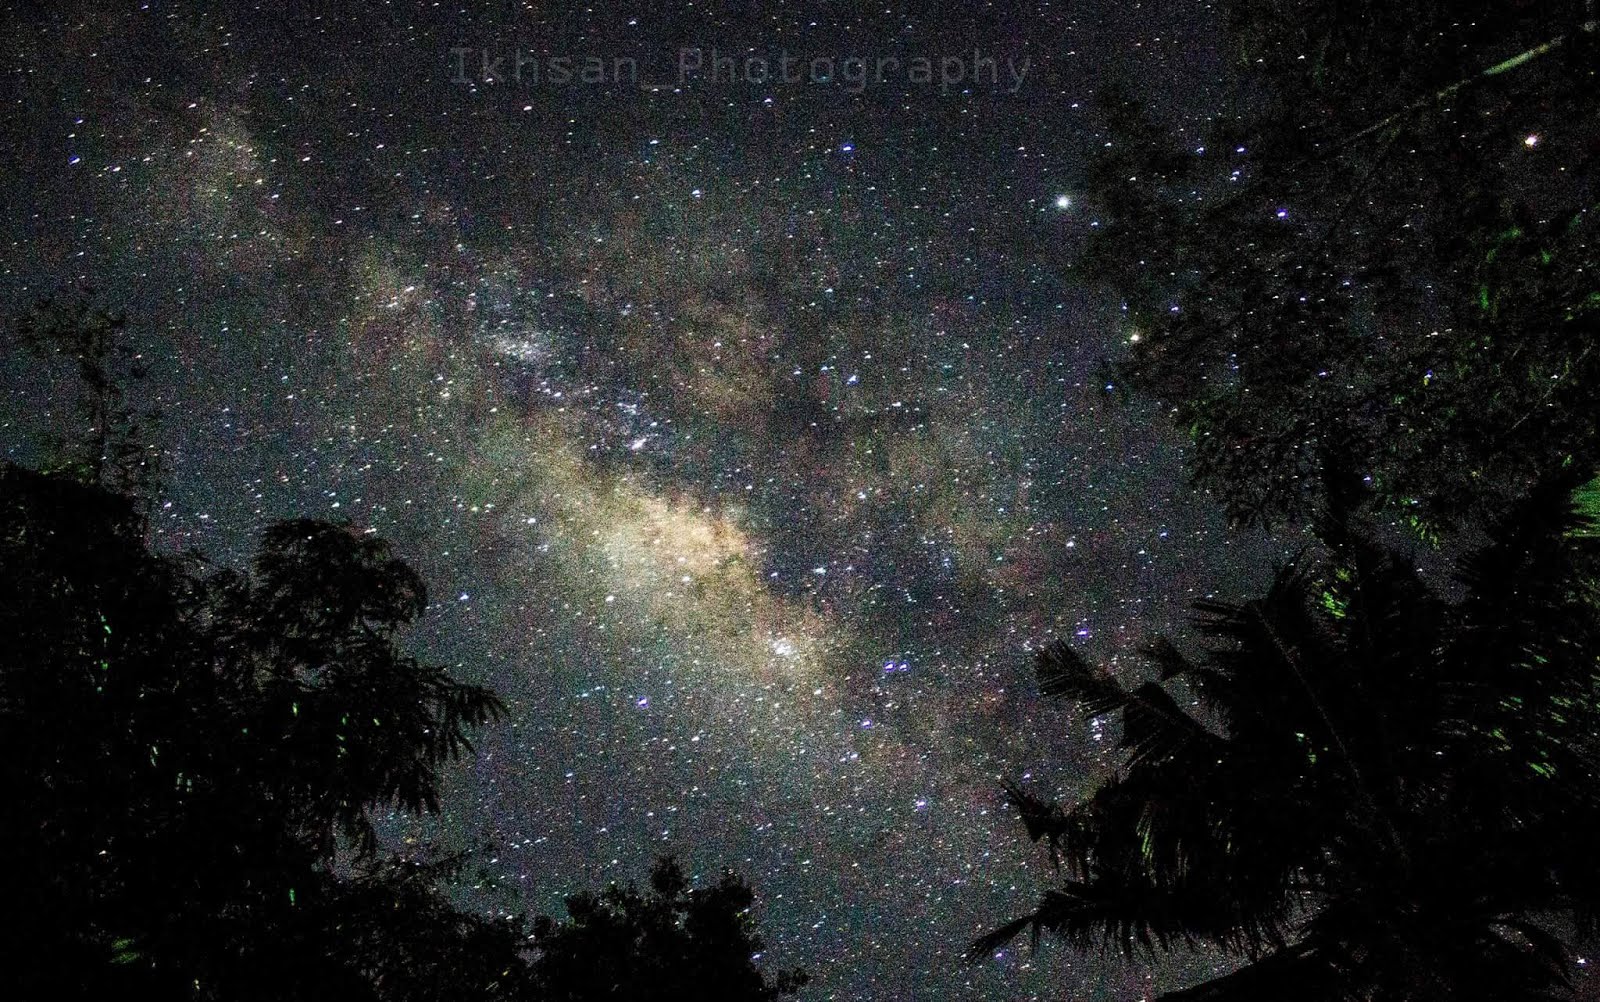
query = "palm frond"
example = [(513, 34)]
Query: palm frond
[(1169, 661), (1043, 819), (1297, 972), (981, 948), (1155, 728), (1128, 915), (1064, 673)]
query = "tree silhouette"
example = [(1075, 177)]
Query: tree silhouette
[(1379, 252), (1370, 791), (186, 750), (192, 758), (672, 944), (111, 446)]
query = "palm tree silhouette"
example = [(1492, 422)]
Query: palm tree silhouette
[(1372, 791)]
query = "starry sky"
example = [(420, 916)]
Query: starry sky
[(749, 431)]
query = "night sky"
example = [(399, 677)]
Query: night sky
[(749, 433)]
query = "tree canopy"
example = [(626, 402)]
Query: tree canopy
[(668, 944), (194, 758), (193, 761), (1378, 255), (1366, 292), (1362, 787)]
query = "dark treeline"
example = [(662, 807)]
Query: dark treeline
[(1367, 292), (1378, 256), (1361, 787), (191, 758)]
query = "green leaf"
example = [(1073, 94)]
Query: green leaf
[(123, 952), (1335, 606), (1586, 502)]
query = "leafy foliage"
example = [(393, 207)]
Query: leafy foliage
[(112, 446), (1362, 789), (182, 748), (192, 758), (668, 944), (1380, 258)]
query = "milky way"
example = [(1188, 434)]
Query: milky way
[(749, 432)]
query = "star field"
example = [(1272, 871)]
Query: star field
[(748, 433)]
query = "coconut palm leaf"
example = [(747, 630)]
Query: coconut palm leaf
[(1063, 673), (1396, 795)]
